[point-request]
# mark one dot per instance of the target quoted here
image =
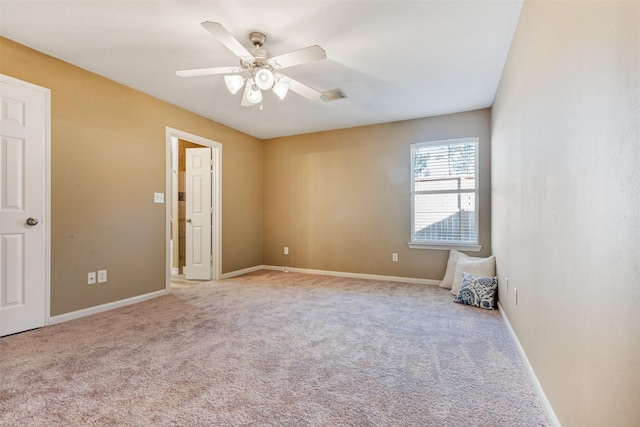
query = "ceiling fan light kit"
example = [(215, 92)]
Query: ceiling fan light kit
[(259, 67), (254, 95), (264, 79), (234, 83), (281, 87)]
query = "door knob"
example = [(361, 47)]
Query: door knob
[(188, 219), (32, 221)]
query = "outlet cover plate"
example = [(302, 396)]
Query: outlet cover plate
[(102, 276)]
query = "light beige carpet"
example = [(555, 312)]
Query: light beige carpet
[(179, 281), (272, 349)]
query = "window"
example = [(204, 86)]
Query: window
[(444, 194)]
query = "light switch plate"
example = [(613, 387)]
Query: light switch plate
[(158, 197)]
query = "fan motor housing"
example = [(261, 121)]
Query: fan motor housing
[(257, 39)]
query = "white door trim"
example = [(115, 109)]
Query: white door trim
[(47, 187), (216, 199)]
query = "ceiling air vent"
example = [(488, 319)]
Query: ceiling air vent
[(333, 95)]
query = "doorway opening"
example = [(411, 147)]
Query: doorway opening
[(177, 143)]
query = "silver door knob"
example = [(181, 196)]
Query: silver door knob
[(32, 221)]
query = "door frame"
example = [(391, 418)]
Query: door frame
[(216, 198), (47, 186)]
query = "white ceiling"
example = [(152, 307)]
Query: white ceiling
[(394, 60)]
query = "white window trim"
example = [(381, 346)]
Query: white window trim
[(445, 246), (469, 247)]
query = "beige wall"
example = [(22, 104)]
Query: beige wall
[(340, 200), (107, 160), (566, 194)]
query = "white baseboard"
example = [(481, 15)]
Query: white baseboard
[(241, 272), (175, 271), (331, 273), (553, 419), (104, 307)]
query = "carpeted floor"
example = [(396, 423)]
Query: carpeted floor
[(272, 349), (179, 281)]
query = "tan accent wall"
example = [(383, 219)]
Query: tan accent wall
[(340, 200), (107, 160), (566, 194)]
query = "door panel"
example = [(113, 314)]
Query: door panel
[(198, 213), (23, 147)]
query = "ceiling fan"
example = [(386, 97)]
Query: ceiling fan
[(258, 70)]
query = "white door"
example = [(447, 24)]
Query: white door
[(24, 115), (198, 214)]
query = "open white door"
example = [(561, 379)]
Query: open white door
[(198, 214), (23, 182)]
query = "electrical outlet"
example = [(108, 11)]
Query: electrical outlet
[(515, 295), (102, 276), (394, 257), (91, 278), (286, 250)]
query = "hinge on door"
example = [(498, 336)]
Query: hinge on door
[(210, 209)]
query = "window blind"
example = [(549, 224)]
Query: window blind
[(445, 192)]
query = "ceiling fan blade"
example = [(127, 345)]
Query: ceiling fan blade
[(225, 37), (208, 71), (297, 57), (303, 90)]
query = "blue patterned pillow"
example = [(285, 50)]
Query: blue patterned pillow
[(477, 291)]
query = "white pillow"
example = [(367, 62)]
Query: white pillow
[(454, 256), (483, 267)]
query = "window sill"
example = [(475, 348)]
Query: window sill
[(445, 246)]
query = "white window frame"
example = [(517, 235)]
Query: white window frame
[(447, 244)]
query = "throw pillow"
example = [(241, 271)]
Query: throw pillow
[(447, 280), (484, 267), (477, 291)]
